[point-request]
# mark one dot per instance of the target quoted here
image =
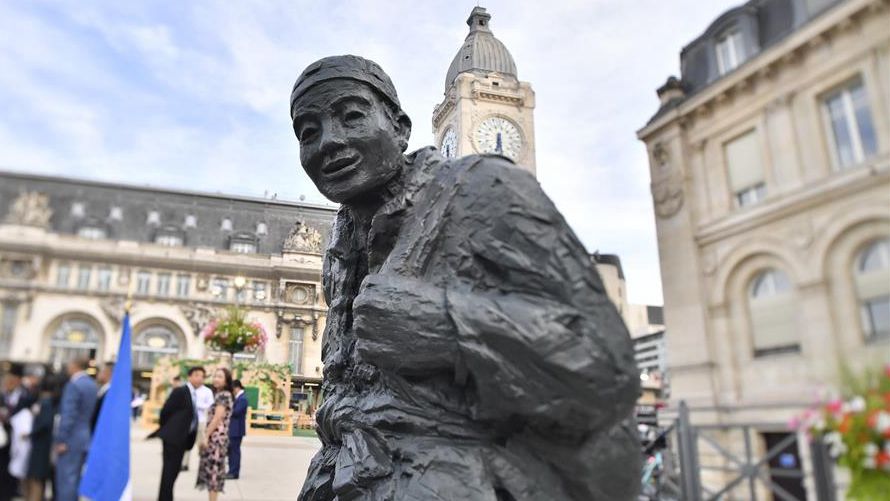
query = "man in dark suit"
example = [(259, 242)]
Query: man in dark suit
[(103, 379), (13, 398), (73, 436), (237, 429), (179, 427)]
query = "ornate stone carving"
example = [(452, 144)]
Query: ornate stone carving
[(295, 321), (197, 315), (667, 186), (302, 238), (30, 209), (19, 268), (299, 293), (114, 308)]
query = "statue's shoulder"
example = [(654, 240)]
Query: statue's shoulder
[(475, 177)]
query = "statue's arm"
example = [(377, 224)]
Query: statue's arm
[(532, 336)]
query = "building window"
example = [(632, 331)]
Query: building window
[(169, 240), (220, 288), (730, 51), (772, 312), (104, 279), (7, 326), (751, 195), (154, 217), (872, 281), (77, 209), (259, 292), (183, 283), (73, 338), (163, 284), (83, 276), (152, 343), (261, 229), (243, 247), (143, 282), (745, 169), (191, 221), (850, 121), (296, 349), (91, 232), (226, 224), (63, 271), (116, 213)]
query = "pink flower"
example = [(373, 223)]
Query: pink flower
[(835, 406)]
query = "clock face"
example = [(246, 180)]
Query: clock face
[(499, 135), (449, 143)]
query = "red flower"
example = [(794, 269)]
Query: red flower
[(844, 427), (882, 458)]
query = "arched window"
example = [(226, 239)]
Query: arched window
[(73, 338), (871, 275), (772, 311), (152, 343)]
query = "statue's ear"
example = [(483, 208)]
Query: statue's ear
[(403, 129)]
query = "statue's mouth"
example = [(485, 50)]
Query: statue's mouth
[(340, 165)]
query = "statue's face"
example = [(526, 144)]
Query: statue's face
[(349, 145)]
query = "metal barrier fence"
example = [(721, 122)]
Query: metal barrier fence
[(748, 470)]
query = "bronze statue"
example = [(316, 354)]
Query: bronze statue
[(471, 352)]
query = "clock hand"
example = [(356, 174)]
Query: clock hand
[(499, 148)]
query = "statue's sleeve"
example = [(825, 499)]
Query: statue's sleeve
[(538, 337), (519, 315)]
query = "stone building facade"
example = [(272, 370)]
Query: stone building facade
[(71, 251), (486, 108), (770, 168)]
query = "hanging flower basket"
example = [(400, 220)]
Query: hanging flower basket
[(856, 429), (233, 333)]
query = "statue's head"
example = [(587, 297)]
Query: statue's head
[(351, 128)]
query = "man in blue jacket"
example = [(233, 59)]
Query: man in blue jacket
[(73, 437), (237, 429)]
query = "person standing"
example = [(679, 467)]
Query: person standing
[(73, 437), (103, 379), (237, 430), (13, 399), (202, 404), (39, 467), (212, 468), (179, 427)]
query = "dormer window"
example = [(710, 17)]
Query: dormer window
[(171, 236), (191, 221), (261, 229), (154, 217), (226, 224), (77, 209), (116, 213), (243, 247), (91, 232), (730, 51), (243, 243), (169, 240)]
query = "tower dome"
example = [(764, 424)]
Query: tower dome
[(481, 52)]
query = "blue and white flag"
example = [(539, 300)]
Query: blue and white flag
[(107, 474)]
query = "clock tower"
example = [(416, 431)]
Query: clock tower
[(486, 108)]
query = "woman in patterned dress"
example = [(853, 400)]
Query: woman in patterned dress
[(212, 469)]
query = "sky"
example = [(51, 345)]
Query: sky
[(194, 94)]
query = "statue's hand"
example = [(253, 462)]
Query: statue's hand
[(401, 324)]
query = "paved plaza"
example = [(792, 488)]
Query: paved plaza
[(272, 468)]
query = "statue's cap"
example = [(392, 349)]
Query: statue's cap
[(347, 67)]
